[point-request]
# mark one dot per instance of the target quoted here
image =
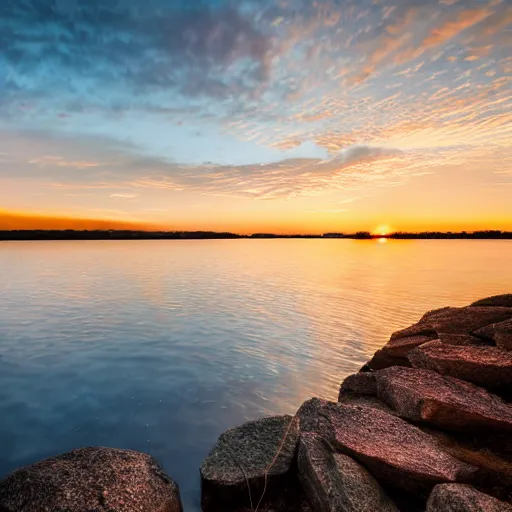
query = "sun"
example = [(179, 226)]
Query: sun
[(382, 230)]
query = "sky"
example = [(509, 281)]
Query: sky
[(292, 116)]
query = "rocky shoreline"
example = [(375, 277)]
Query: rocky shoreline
[(425, 425)]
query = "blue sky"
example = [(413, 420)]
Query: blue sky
[(192, 113)]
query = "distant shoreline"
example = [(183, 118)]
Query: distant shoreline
[(33, 235)]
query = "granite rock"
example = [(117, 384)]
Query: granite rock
[(394, 353), (242, 461), (360, 384), (86, 479), (463, 498), (334, 482), (499, 333), (425, 396), (489, 367), (504, 300), (397, 453)]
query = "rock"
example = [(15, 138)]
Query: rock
[(424, 395), (504, 300), (394, 353), (468, 319), (242, 457), (499, 333), (431, 313), (359, 383), (463, 498), (365, 401), (422, 328), (312, 416), (396, 453), (288, 500), (90, 479), (462, 339), (334, 482), (489, 367)]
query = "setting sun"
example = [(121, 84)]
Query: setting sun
[(382, 230)]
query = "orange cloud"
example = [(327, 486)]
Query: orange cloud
[(464, 20), (21, 220)]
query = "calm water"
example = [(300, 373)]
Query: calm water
[(160, 345)]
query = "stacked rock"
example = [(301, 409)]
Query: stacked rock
[(425, 425)]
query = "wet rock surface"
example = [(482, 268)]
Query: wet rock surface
[(86, 479)]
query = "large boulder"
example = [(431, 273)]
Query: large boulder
[(334, 482), (463, 498), (246, 460), (89, 479), (489, 367), (499, 333), (396, 453), (423, 395), (504, 300)]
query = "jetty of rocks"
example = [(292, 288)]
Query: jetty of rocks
[(425, 425)]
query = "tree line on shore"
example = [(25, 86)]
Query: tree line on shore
[(71, 234)]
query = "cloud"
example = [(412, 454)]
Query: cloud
[(59, 161), (451, 28), (153, 45), (123, 195)]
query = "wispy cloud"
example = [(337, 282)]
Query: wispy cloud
[(124, 195)]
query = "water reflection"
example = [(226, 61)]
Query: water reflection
[(161, 345)]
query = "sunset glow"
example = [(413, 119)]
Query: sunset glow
[(382, 230), (295, 117)]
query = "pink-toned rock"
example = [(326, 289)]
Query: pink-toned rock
[(88, 479), (334, 482), (468, 319), (424, 395), (489, 367), (422, 328), (360, 384), (312, 416), (365, 401), (463, 339), (504, 300), (394, 353), (396, 453), (463, 498), (499, 333), (431, 313)]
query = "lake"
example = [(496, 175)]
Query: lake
[(159, 346)]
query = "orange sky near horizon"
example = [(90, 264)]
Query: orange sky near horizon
[(28, 221)]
